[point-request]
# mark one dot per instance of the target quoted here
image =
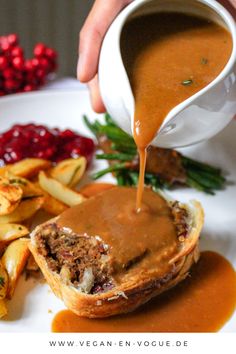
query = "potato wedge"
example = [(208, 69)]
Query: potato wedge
[(29, 189), (53, 206), (29, 167), (3, 308), (4, 169), (2, 247), (31, 265), (59, 191), (3, 282), (10, 196), (14, 260), (10, 232), (69, 171), (26, 209)]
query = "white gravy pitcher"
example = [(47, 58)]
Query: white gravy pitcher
[(197, 118)]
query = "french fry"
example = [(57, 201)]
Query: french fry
[(69, 171), (14, 260), (10, 232), (59, 191), (3, 308), (3, 282), (10, 196), (25, 210), (29, 167)]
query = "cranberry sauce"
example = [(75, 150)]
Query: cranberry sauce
[(31, 140)]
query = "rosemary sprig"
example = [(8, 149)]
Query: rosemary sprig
[(200, 176)]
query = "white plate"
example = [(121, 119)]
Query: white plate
[(34, 305)]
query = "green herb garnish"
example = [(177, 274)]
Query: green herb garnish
[(18, 181), (200, 176), (187, 82), (204, 61), (2, 282)]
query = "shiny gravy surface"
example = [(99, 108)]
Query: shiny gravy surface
[(149, 236)]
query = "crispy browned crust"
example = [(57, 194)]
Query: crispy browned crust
[(137, 291)]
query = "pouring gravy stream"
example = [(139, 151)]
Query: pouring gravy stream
[(168, 58)]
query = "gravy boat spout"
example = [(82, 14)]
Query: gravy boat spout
[(197, 118)]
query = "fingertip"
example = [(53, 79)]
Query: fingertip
[(95, 96), (98, 107), (97, 103)]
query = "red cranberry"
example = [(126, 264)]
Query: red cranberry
[(5, 46), (39, 50), (19, 75), (11, 84), (28, 65), (17, 52), (55, 131), (35, 62), (16, 131), (3, 63), (67, 134), (8, 73), (10, 157), (40, 73), (2, 93), (30, 77), (18, 63), (28, 88), (13, 39), (44, 64), (51, 53), (7, 136)]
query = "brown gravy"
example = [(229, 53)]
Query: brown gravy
[(149, 236), (203, 302), (169, 57), (172, 57)]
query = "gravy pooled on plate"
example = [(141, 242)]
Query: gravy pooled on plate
[(168, 57), (200, 303)]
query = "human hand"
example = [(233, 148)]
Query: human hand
[(91, 36)]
